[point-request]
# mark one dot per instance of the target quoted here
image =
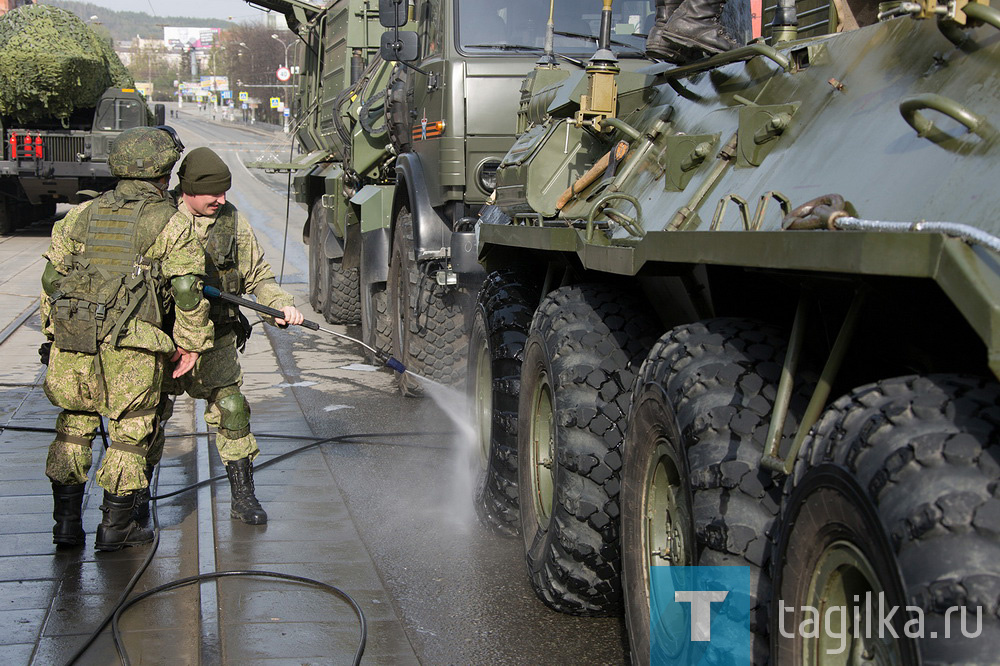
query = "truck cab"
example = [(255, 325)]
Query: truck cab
[(53, 161)]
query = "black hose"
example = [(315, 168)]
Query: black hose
[(181, 582), (123, 602)]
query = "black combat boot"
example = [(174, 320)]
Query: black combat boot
[(119, 529), (67, 512), (658, 46), (244, 504), (140, 513), (695, 25)]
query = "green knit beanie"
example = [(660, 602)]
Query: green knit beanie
[(204, 172)]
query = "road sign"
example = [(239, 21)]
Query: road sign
[(283, 74), (287, 112), (226, 94), (244, 96), (275, 102), (244, 105)]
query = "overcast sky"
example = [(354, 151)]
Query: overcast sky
[(235, 10)]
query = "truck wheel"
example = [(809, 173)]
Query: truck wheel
[(375, 322), (894, 493), (693, 492), (584, 349), (343, 302), (500, 326), (428, 324), (319, 270)]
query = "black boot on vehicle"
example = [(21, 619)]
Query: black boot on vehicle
[(695, 25), (118, 529), (244, 504), (67, 512), (140, 513), (658, 46)]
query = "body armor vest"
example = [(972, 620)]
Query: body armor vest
[(222, 269), (111, 281)]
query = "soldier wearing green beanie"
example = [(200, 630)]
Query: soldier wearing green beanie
[(234, 264)]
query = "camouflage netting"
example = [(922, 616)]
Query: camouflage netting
[(51, 63)]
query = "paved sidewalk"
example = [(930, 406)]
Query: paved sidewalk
[(51, 600)]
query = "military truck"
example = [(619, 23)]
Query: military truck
[(403, 116), (747, 316), (64, 97)]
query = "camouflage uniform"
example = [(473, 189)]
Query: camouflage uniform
[(217, 374), (121, 382)]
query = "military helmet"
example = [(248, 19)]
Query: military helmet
[(144, 152)]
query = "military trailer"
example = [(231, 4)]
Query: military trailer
[(402, 120), (64, 97), (747, 314)]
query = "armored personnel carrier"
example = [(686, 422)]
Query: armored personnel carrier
[(746, 316)]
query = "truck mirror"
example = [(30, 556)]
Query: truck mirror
[(159, 114), (398, 46), (392, 13)]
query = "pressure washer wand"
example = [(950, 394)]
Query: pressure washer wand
[(212, 292)]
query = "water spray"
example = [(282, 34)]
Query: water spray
[(382, 357)]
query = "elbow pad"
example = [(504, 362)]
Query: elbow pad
[(187, 291), (49, 277)]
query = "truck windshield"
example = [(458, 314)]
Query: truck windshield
[(120, 114), (486, 26)]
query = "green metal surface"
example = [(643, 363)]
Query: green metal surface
[(541, 448), (376, 207), (893, 117)]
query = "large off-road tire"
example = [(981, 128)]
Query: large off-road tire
[(375, 322), (343, 302), (428, 322), (500, 326), (584, 349), (693, 491), (319, 270), (895, 492)]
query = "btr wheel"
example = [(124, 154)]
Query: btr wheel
[(892, 505), (580, 359), (503, 314), (693, 492)]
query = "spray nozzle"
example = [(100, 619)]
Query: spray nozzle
[(392, 364)]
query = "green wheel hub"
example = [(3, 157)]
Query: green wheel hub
[(843, 574), (483, 403), (542, 447)]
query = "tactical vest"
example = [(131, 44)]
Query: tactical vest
[(222, 268), (111, 281)]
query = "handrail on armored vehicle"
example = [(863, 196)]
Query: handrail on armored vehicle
[(670, 71)]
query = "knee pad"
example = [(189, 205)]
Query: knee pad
[(234, 415)]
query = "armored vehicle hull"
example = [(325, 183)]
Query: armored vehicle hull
[(760, 333)]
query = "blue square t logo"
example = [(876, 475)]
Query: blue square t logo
[(700, 615)]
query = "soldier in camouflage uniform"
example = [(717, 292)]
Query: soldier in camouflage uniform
[(121, 267), (235, 264)]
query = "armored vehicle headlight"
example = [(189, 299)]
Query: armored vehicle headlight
[(486, 175)]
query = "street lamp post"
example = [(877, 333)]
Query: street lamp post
[(287, 46), (285, 65)]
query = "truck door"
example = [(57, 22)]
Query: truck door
[(435, 120)]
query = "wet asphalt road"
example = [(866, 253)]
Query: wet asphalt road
[(461, 593)]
